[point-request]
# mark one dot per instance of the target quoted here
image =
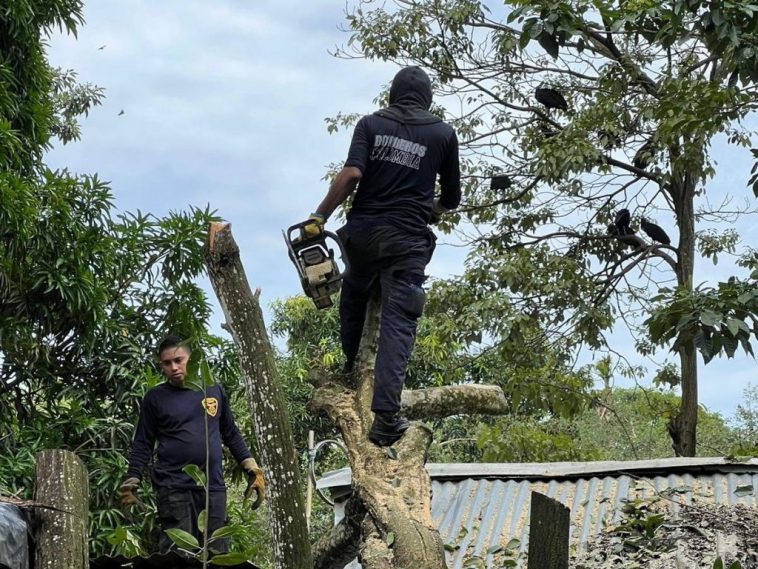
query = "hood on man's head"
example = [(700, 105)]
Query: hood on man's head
[(411, 87)]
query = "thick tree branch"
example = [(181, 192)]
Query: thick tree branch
[(395, 490), (439, 402), (340, 546)]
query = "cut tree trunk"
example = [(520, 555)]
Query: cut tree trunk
[(244, 319), (393, 485), (62, 493), (389, 522)]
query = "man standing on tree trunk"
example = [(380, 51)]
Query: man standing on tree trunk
[(175, 417), (395, 157)]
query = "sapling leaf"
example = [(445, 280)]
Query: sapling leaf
[(182, 538), (228, 559), (746, 490), (194, 472), (224, 531)]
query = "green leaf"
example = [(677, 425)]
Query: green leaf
[(733, 325), (225, 531), (549, 44), (201, 518), (709, 318), (205, 373), (182, 538), (494, 549), (117, 536), (194, 472), (228, 559), (513, 544), (746, 490), (451, 547), (474, 562), (524, 40), (718, 564), (389, 539)]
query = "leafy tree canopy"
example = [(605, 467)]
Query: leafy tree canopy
[(646, 88), (86, 291)]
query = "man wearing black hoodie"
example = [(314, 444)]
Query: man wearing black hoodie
[(395, 157)]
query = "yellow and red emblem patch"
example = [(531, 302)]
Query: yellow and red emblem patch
[(210, 404)]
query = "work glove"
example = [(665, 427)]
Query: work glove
[(316, 227), (126, 495), (255, 482), (437, 211)]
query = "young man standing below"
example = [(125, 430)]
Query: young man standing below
[(174, 416), (395, 157)]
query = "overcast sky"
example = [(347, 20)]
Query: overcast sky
[(224, 104)]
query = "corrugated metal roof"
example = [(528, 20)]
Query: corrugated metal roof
[(537, 470), (478, 508)]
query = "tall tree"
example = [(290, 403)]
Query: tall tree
[(585, 109), (85, 291)]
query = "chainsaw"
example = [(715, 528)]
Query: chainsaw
[(319, 273)]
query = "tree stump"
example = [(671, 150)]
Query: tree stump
[(62, 486)]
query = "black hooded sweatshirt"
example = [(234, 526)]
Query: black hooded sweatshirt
[(400, 150)]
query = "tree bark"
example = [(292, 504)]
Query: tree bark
[(340, 546), (683, 427), (63, 486), (440, 402), (244, 319), (393, 486)]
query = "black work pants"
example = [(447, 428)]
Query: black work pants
[(179, 508), (394, 261)]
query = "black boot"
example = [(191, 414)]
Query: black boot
[(387, 428)]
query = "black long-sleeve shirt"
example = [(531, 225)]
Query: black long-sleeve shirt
[(173, 417), (400, 163)]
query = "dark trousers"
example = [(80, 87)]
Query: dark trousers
[(180, 509), (393, 261)]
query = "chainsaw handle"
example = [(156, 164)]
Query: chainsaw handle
[(304, 240)]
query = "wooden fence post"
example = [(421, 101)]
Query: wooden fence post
[(61, 485), (548, 533)]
